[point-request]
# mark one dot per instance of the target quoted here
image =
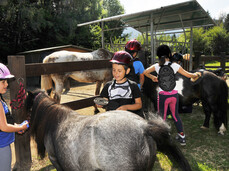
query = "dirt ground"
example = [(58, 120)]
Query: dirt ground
[(79, 91)]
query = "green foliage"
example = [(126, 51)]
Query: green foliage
[(34, 24), (226, 23), (217, 40)]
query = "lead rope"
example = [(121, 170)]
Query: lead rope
[(19, 101)]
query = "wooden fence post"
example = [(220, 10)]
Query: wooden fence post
[(222, 61), (16, 66), (197, 60)]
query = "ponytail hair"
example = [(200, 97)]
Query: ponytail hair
[(163, 51), (161, 60)]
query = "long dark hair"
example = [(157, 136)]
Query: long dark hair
[(163, 51)]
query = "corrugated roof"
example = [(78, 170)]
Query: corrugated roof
[(182, 15)]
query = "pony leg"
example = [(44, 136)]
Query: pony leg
[(55, 163), (97, 91), (59, 86), (66, 86), (207, 112)]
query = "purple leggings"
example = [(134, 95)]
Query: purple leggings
[(170, 99)]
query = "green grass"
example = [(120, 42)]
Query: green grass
[(215, 63), (205, 149)]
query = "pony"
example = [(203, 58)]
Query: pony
[(112, 140), (210, 89), (100, 76)]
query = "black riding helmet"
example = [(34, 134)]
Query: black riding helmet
[(177, 57)]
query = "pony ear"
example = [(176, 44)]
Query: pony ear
[(49, 91), (30, 94)]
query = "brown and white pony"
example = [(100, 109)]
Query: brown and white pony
[(100, 76)]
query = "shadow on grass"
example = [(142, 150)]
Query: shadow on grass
[(48, 168)]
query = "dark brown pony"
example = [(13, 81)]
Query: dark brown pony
[(114, 140)]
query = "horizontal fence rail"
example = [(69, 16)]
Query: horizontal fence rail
[(202, 60), (38, 69)]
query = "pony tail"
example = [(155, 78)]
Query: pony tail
[(159, 130), (223, 102), (161, 60)]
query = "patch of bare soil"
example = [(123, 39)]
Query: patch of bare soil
[(79, 91)]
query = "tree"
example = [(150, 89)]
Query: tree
[(226, 23), (217, 40), (34, 24)]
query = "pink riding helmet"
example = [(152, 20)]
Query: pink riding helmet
[(5, 73)]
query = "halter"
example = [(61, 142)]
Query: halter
[(19, 101)]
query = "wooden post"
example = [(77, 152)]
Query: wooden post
[(197, 60), (222, 61), (16, 66)]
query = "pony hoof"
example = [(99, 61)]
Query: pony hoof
[(221, 133), (96, 111), (204, 127)]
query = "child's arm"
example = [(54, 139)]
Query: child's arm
[(5, 127), (136, 106), (188, 74), (147, 73)]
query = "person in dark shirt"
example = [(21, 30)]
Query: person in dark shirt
[(136, 74), (122, 93)]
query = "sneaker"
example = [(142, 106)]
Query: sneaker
[(181, 139), (100, 101)]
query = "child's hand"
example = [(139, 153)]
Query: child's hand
[(196, 76), (99, 106), (122, 108), (24, 125), (155, 79)]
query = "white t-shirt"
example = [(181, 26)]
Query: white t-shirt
[(174, 66)]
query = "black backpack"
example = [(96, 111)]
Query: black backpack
[(132, 76), (166, 78)]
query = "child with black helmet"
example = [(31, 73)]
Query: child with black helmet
[(7, 127), (136, 74), (168, 94), (121, 93)]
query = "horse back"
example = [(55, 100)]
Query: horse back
[(100, 138), (69, 56)]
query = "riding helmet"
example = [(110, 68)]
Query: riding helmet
[(177, 57), (122, 57), (5, 73), (133, 46)]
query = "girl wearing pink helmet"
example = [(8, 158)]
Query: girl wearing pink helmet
[(121, 93), (7, 127)]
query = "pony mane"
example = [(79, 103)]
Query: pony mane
[(46, 114), (104, 53)]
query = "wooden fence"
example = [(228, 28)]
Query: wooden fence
[(202, 60), (21, 70)]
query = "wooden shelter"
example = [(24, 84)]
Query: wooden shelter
[(175, 18)]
